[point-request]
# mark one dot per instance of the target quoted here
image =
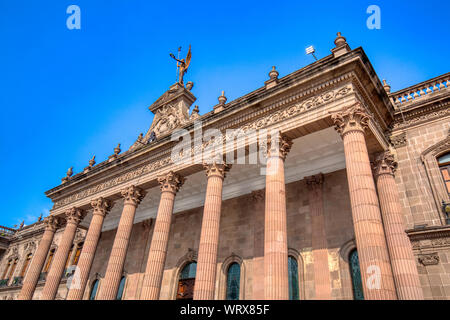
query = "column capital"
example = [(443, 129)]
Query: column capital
[(315, 181), (171, 182), (352, 118), (278, 145), (133, 195), (51, 223), (101, 206), (384, 163), (74, 215), (216, 169)]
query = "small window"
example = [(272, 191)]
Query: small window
[(77, 254), (121, 288), (49, 260), (25, 265), (444, 166), (233, 281), (13, 268), (355, 272), (6, 269), (186, 282), (293, 279), (93, 290)]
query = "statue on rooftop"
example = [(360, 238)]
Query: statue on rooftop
[(182, 65)]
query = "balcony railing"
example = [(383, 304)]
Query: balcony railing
[(421, 91), (17, 281), (4, 283), (5, 231)]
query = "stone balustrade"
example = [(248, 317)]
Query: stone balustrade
[(421, 91)]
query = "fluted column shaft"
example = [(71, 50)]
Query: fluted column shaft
[(80, 278), (402, 257), (205, 280), (376, 272), (73, 218), (151, 288), (110, 284), (322, 281), (35, 269), (276, 278)]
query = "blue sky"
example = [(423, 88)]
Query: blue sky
[(66, 95)]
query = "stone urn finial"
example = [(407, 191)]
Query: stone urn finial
[(222, 99), (92, 161), (68, 175), (340, 40), (189, 85), (273, 74), (117, 150), (386, 86)]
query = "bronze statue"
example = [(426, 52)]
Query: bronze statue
[(182, 65)]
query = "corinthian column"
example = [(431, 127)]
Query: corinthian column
[(402, 258), (132, 197), (205, 280), (276, 280), (101, 208), (73, 218), (35, 269), (322, 281), (170, 184), (373, 254)]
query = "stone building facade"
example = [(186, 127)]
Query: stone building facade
[(349, 198)]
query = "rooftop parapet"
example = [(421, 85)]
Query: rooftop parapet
[(421, 92)]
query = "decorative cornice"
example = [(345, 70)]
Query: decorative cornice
[(352, 118), (133, 195), (384, 163), (438, 148), (101, 206), (171, 182), (267, 119)]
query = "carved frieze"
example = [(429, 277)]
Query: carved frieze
[(266, 120)]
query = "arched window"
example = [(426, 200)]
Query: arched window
[(6, 269), (49, 260), (69, 256), (293, 279), (93, 292), (121, 287), (13, 268), (25, 265), (233, 281), (186, 282), (355, 272), (444, 166), (77, 254)]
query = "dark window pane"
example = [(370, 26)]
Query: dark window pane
[(233, 281), (293, 279), (189, 271), (121, 287), (356, 276), (93, 290)]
